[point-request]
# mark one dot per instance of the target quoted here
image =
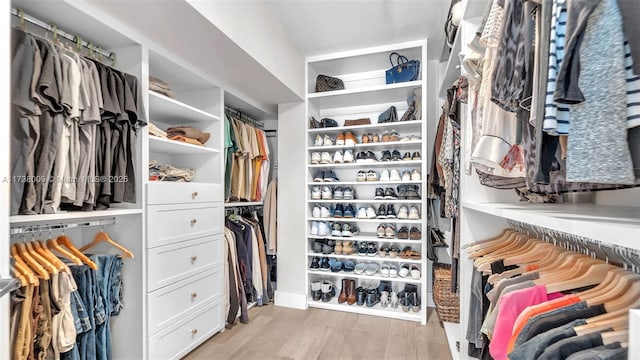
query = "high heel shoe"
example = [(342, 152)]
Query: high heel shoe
[(384, 299), (394, 300)]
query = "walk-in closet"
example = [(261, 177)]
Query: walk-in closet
[(387, 179)]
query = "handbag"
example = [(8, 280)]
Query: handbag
[(436, 236), (403, 70), (389, 115), (328, 83), (327, 123), (410, 114), (314, 124), (356, 122)]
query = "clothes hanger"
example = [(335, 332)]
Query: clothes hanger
[(47, 254), (623, 288), (65, 241), (104, 237), (619, 323), (16, 274), (487, 242), (594, 274), (28, 274), (550, 257), (515, 241), (19, 250), (46, 264), (502, 240), (621, 336), (53, 245), (607, 285), (540, 250)]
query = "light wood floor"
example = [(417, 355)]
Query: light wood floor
[(284, 333)]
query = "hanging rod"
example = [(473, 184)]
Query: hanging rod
[(236, 114), (26, 229), (61, 33), (245, 204), (620, 255)]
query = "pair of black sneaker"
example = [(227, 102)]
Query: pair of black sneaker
[(387, 194), (386, 212), (391, 155), (408, 156), (325, 175), (366, 157), (408, 192)]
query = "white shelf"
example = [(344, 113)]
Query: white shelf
[(379, 221), (358, 201), (160, 145), (376, 310), (402, 126), (610, 224), (170, 111), (368, 95), (353, 275), (415, 144), (336, 183), (72, 215), (452, 330), (394, 164), (238, 204), (368, 238), (368, 258)]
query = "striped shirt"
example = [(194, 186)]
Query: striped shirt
[(633, 89), (556, 115)]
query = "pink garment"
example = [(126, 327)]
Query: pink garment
[(511, 305)]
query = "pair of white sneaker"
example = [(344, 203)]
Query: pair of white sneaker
[(320, 212), (318, 193), (343, 157), (366, 213), (321, 158), (408, 213), (323, 141), (320, 228), (393, 175)]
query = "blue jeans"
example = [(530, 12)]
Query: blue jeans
[(109, 283), (92, 298)]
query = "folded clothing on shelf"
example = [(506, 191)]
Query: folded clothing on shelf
[(189, 132), (185, 139), (156, 131), (169, 173), (160, 86)]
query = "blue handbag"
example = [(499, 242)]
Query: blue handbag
[(403, 70)]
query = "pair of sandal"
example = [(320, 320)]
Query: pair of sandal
[(408, 253), (406, 271), (344, 247), (390, 251)]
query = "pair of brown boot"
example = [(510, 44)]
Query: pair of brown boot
[(348, 293)]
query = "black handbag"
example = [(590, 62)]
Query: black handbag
[(389, 115), (327, 123), (403, 70), (328, 83)]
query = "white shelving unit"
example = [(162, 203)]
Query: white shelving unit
[(366, 95)]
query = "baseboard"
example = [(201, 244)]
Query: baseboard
[(291, 300)]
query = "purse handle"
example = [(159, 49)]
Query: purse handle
[(398, 59)]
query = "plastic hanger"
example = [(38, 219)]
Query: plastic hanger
[(104, 237), (65, 241)]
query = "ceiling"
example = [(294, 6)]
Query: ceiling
[(325, 26)]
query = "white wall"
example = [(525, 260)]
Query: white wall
[(291, 207), (253, 28), (5, 10)]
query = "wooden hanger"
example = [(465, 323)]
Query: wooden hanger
[(622, 289), (65, 241), (515, 243), (619, 323), (18, 275), (53, 245), (23, 268), (621, 336), (605, 286), (475, 246), (628, 300), (594, 274), (493, 245), (540, 250), (19, 250), (104, 237), (44, 262), (47, 254)]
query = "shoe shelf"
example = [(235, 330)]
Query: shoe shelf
[(171, 111), (377, 309), (353, 275), (371, 238), (376, 183), (367, 95), (400, 163), (379, 221), (160, 145), (388, 145), (400, 126), (368, 258), (360, 201)]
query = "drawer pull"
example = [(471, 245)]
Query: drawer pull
[(193, 222), (194, 295), (194, 258), (194, 194), (194, 331)]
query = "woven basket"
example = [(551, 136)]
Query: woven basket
[(447, 303)]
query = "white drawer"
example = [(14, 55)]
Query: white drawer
[(168, 224), (179, 341), (171, 303), (183, 193), (172, 263)]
